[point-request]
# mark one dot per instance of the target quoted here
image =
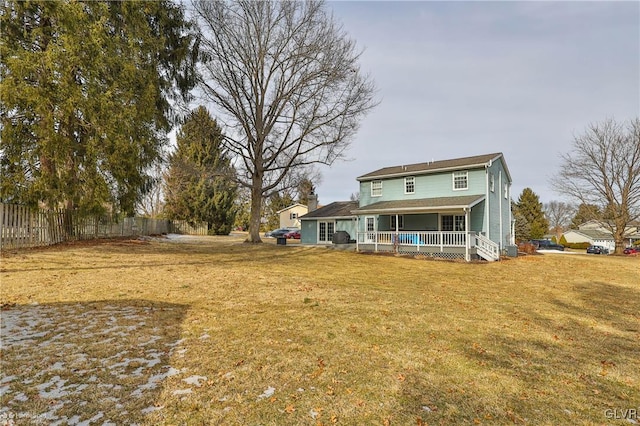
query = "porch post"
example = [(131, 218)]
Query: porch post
[(397, 243), (467, 257)]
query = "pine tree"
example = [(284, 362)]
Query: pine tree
[(585, 213), (528, 209), (86, 91), (199, 185)]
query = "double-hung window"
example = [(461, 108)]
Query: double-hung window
[(410, 185), (393, 222), (460, 181), (376, 188), (452, 223)]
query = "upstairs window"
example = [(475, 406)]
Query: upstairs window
[(506, 191), (409, 185), (492, 182), (293, 216), (460, 180), (376, 188)]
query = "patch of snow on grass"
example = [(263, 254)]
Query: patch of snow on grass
[(267, 393), (195, 380)]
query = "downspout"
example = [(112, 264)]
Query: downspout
[(500, 196), (467, 257), (486, 191)]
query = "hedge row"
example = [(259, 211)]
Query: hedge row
[(577, 246)]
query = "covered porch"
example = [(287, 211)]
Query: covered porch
[(447, 227)]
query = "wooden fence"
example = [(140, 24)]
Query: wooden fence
[(22, 227)]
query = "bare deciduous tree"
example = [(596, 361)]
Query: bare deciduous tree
[(559, 215), (285, 77), (603, 169)]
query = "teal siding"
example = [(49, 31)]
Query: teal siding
[(309, 229), (426, 186), (477, 218), (347, 225), (309, 232), (499, 206)]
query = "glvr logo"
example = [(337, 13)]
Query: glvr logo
[(622, 413)]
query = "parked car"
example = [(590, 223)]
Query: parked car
[(597, 250), (632, 250), (547, 245), (292, 234), (280, 232)]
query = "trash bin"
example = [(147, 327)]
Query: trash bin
[(282, 241)]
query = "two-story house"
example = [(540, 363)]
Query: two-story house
[(457, 208)]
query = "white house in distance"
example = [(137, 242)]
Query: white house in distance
[(289, 215), (594, 233)]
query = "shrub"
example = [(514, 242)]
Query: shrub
[(576, 246)]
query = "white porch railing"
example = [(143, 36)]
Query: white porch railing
[(441, 240), (415, 238)]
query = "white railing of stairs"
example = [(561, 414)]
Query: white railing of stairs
[(486, 248)]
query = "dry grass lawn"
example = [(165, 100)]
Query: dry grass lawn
[(214, 331)]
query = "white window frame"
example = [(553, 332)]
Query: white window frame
[(506, 191), (410, 185), (329, 230), (376, 188), (392, 222), (492, 182), (456, 221), (460, 177), (370, 224)]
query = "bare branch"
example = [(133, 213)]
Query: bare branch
[(603, 169), (286, 76)]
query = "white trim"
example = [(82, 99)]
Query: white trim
[(459, 174), (413, 183), (376, 195), (326, 223), (399, 221)]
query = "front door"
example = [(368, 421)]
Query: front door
[(370, 228)]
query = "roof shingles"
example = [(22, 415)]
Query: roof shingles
[(432, 167)]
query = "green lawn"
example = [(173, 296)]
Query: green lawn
[(214, 331)]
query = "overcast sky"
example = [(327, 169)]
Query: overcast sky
[(464, 78)]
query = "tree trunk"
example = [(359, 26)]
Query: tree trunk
[(256, 209), (618, 236)]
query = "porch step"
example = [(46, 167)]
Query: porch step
[(486, 248)]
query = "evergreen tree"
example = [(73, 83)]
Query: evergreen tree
[(86, 90), (528, 209), (585, 213), (199, 185)]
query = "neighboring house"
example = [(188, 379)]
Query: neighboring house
[(595, 233), (318, 226), (594, 237), (459, 208), (290, 216)]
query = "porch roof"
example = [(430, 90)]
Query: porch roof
[(335, 210), (422, 205)]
